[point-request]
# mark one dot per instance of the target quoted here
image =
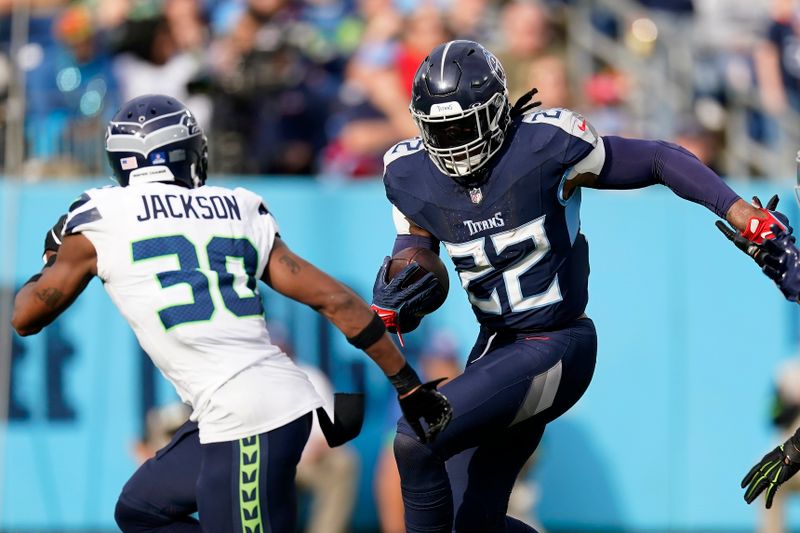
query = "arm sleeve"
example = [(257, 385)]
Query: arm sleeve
[(637, 163)]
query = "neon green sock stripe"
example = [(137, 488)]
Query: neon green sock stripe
[(249, 462)]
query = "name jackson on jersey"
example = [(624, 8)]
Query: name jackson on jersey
[(155, 206)]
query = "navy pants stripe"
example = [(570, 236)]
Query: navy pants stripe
[(501, 404), (238, 486)]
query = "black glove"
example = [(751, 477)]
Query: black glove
[(402, 302), (52, 241), (425, 403), (781, 260), (744, 241), (774, 468)]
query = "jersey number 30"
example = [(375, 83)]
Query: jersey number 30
[(532, 231), (219, 249)]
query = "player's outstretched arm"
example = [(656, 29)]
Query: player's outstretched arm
[(298, 279), (636, 163), (48, 294), (773, 470)]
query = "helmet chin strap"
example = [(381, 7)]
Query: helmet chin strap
[(476, 179), (195, 176)]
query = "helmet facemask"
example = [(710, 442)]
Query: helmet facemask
[(460, 142)]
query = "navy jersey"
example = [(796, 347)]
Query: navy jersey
[(515, 242)]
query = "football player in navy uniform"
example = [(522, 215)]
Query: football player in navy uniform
[(499, 186)]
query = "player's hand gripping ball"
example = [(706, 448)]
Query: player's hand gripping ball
[(410, 285)]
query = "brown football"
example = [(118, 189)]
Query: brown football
[(427, 259)]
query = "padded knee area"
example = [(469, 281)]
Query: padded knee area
[(425, 487), (410, 452)]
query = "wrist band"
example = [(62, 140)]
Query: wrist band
[(405, 380), (368, 336)]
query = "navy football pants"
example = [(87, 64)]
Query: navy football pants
[(513, 385), (244, 486)]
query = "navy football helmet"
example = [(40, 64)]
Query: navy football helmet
[(155, 138), (459, 101)]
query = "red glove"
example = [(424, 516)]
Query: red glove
[(759, 229)]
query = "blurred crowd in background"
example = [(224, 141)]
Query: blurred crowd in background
[(321, 87)]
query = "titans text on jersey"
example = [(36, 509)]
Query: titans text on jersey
[(515, 242)]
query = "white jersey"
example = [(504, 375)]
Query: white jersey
[(182, 267)]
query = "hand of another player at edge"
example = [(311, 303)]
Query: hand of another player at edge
[(429, 405), (756, 222), (772, 471)]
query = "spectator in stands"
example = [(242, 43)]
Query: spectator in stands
[(683, 7), (526, 35), (702, 142), (165, 51), (474, 20), (269, 94), (70, 94), (606, 92), (373, 111), (548, 73), (370, 118), (424, 29), (777, 61)]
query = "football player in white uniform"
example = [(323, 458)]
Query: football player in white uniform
[(181, 261)]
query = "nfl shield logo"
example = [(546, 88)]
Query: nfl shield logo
[(475, 195)]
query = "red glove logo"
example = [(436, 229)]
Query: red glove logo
[(389, 318), (760, 229)]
